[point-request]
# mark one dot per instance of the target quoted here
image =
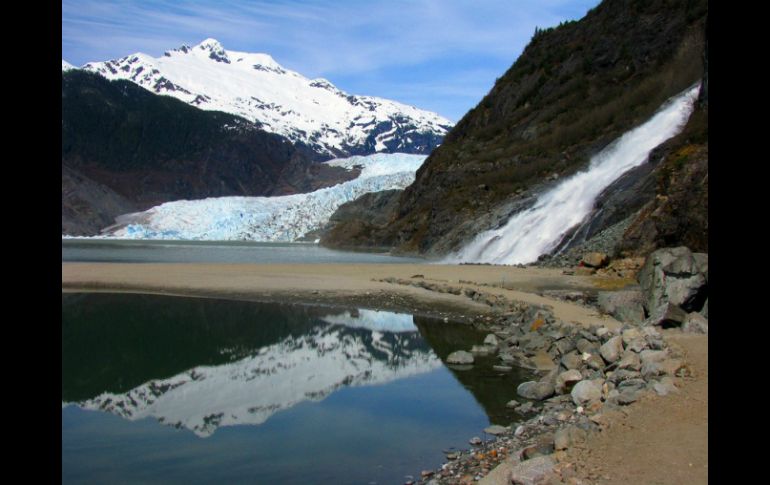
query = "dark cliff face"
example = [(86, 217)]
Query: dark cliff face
[(151, 149), (574, 89)]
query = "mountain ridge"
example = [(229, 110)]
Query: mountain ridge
[(256, 87)]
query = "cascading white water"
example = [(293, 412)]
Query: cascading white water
[(538, 230)]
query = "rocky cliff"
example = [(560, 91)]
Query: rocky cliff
[(573, 90)]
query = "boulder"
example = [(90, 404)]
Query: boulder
[(594, 362), (595, 260), (631, 334), (667, 315), (630, 360), (533, 471), (566, 380), (496, 430), (695, 323), (675, 276), (637, 345), (612, 349), (652, 356), (584, 346), (705, 310), (664, 386), (460, 357), (625, 306), (571, 360), (491, 340), (535, 390), (586, 391)]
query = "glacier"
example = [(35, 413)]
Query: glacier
[(267, 219)]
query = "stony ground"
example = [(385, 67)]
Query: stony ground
[(663, 440)]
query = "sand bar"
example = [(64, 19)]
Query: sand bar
[(349, 283)]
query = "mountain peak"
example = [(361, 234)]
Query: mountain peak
[(66, 66), (211, 45)]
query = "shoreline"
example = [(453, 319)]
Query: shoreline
[(411, 287), (480, 295)]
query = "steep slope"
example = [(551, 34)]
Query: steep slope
[(150, 149), (88, 206), (256, 87), (574, 89)]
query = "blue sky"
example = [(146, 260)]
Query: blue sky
[(440, 55)]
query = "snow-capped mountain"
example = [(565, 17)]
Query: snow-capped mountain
[(66, 66), (370, 348), (285, 218), (256, 87)]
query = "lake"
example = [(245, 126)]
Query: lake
[(161, 389), (168, 251)]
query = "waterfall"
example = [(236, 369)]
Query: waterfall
[(539, 229)]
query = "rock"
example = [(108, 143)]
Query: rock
[(460, 357), (625, 306), (705, 310), (564, 345), (561, 440), (584, 346), (491, 340), (667, 315), (631, 334), (512, 403), (627, 396), (651, 369), (481, 350), (695, 323), (475, 441), (675, 276), (571, 361), (535, 390), (664, 386), (594, 362), (601, 332), (525, 408), (533, 471), (566, 380), (671, 366), (496, 430), (648, 356), (502, 368), (624, 375), (637, 345), (586, 391), (630, 360), (595, 260), (569, 435), (612, 349)]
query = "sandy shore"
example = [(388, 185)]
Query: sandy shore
[(359, 284)]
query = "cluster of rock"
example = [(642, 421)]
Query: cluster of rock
[(596, 371), (593, 373)]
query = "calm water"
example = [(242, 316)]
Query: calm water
[(146, 251), (159, 389)]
